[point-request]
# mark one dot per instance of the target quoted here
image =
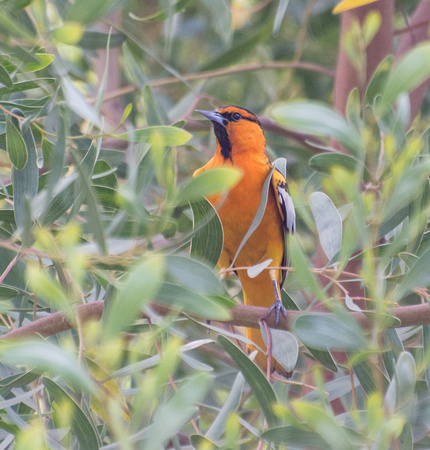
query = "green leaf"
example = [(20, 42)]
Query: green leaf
[(294, 437), (328, 222), (366, 375), (94, 216), (81, 426), (182, 299), (285, 348), (15, 144), (410, 72), (320, 120), (220, 13), (371, 25), (417, 276), (324, 357), (162, 14), (6, 293), (21, 86), (199, 441), (208, 237), (86, 12), (5, 78), (193, 275), (401, 391), (288, 301), (261, 388), (325, 162), (280, 13), (94, 40), (167, 135), (183, 403), (58, 155), (324, 424), (230, 406), (379, 79), (327, 331), (43, 60), (25, 185), (241, 46), (154, 115), (208, 183), (140, 286), (47, 357)]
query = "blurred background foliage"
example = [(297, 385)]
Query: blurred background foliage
[(98, 142)]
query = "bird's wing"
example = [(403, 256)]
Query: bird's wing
[(286, 209)]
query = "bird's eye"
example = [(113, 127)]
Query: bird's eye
[(236, 116)]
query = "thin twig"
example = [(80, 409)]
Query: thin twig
[(9, 267), (273, 65)]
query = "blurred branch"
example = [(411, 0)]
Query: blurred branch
[(241, 315), (274, 65)]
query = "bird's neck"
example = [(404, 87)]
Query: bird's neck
[(241, 150)]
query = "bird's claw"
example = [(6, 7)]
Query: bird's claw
[(278, 307)]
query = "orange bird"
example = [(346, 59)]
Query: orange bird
[(240, 143)]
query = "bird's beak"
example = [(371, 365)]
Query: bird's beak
[(214, 116)]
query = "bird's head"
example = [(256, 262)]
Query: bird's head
[(237, 130)]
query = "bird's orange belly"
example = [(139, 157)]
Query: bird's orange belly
[(237, 212)]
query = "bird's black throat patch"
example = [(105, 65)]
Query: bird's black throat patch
[(224, 141)]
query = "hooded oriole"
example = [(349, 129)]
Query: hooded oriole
[(240, 142)]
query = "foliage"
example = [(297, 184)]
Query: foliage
[(97, 203)]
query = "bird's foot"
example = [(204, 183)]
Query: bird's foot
[(278, 308)]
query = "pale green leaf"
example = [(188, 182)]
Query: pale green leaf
[(140, 286), (167, 135), (261, 388), (81, 426), (326, 331), (208, 237), (211, 182), (15, 145), (320, 120), (47, 357), (328, 222)]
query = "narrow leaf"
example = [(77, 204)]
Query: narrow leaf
[(327, 331), (261, 388), (230, 406), (328, 222), (140, 287), (81, 426), (285, 348), (214, 181), (409, 73), (320, 120), (208, 238), (47, 357), (169, 135), (15, 145)]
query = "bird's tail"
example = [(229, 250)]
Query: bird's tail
[(259, 292)]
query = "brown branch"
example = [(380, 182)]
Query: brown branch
[(274, 65), (241, 315)]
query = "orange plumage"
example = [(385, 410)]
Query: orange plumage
[(241, 143)]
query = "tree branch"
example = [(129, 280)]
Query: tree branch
[(241, 315), (221, 73)]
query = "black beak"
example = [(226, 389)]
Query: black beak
[(214, 116)]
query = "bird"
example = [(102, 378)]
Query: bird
[(240, 143)]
